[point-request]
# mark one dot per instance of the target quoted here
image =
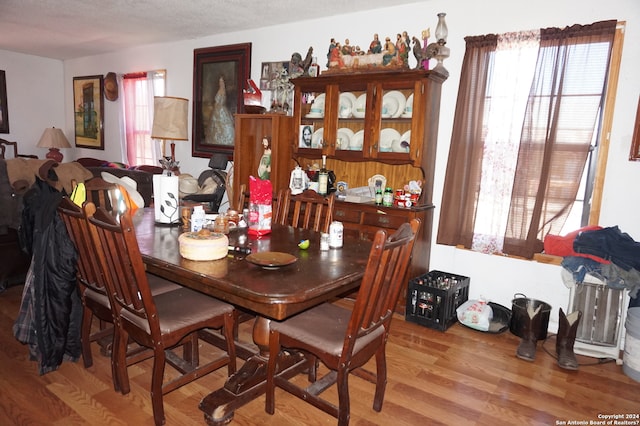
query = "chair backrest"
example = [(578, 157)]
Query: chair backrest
[(383, 279), (78, 230), (99, 192), (4, 146), (116, 248), (308, 210)]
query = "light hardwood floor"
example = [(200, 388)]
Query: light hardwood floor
[(460, 377)]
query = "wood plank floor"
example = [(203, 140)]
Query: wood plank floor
[(460, 377)]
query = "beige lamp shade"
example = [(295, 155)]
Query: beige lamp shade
[(170, 118), (53, 139)]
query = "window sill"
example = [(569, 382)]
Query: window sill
[(538, 257)]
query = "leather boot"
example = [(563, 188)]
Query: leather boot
[(565, 339), (527, 348)]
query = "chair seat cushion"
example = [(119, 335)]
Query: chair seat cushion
[(323, 326), (158, 286), (180, 309)]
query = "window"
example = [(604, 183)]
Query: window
[(526, 125), (139, 90)]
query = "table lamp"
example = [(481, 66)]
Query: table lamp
[(169, 123), (54, 139)]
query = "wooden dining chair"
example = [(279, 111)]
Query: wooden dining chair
[(161, 322), (99, 191), (308, 210), (93, 293), (4, 146), (345, 340)]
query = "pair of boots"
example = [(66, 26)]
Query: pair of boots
[(565, 339)]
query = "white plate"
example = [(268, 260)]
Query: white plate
[(318, 103), (313, 115), (357, 141), (316, 138), (360, 106), (408, 107), (394, 109), (347, 104), (402, 144), (387, 138), (344, 138)]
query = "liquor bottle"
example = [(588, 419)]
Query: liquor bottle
[(314, 68), (387, 197), (323, 178), (378, 196)]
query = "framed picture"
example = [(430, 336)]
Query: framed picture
[(306, 134), (219, 77), (4, 112), (634, 155), (270, 72), (88, 111)]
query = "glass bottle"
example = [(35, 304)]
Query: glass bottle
[(378, 196), (323, 178), (387, 197), (442, 32), (314, 68)]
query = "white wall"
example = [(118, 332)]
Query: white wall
[(494, 277)]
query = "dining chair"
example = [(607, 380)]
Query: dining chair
[(342, 339), (99, 191), (5, 144), (308, 210), (161, 322), (93, 293)]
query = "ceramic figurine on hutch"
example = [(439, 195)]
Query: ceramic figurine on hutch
[(264, 168)]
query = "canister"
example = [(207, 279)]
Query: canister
[(336, 230)]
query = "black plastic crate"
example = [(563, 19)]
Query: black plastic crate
[(432, 299)]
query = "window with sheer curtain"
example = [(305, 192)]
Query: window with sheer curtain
[(137, 116), (527, 113)]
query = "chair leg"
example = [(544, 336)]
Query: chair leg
[(190, 351), (229, 329), (85, 337), (274, 351), (156, 384), (343, 397), (119, 360), (381, 378)]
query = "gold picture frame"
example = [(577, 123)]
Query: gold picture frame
[(88, 111), (634, 154)]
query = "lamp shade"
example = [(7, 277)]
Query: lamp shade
[(53, 138), (170, 118)]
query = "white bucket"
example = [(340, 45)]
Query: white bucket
[(631, 358)]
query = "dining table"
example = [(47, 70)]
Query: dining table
[(290, 281)]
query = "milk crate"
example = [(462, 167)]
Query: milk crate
[(432, 299)]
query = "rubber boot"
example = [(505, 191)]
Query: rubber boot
[(566, 338), (527, 348)]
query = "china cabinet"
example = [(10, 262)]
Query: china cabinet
[(367, 124)]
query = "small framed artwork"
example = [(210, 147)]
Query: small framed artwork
[(306, 134), (219, 77), (88, 111), (634, 155), (4, 111), (270, 73)]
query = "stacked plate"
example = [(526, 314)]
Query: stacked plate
[(344, 138), (360, 106), (357, 140), (388, 137), (316, 138), (317, 107), (393, 104), (347, 105), (408, 108)]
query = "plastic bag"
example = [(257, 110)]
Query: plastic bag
[(260, 210), (476, 314)]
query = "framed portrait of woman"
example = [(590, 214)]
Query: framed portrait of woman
[(219, 77)]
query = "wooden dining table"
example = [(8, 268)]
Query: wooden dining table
[(269, 292)]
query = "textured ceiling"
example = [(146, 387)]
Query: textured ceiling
[(66, 29)]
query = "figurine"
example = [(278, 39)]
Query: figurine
[(335, 57), (375, 46), (332, 45), (402, 52), (298, 66), (389, 52), (264, 168), (347, 50)]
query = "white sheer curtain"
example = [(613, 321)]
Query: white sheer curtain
[(136, 116)]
